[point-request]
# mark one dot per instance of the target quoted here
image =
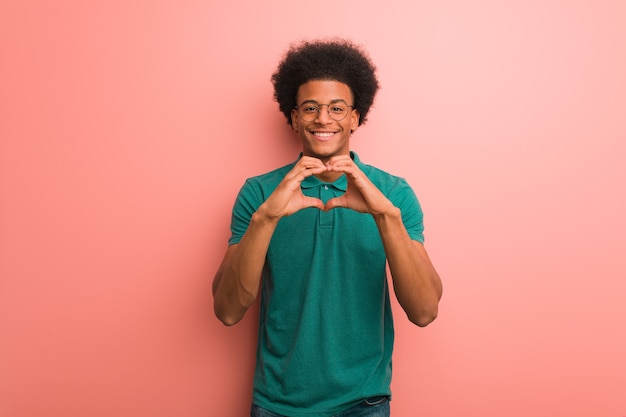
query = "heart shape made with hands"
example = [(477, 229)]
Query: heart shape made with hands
[(360, 193)]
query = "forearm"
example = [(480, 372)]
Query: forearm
[(416, 283), (236, 283)]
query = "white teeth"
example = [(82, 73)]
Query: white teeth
[(324, 134)]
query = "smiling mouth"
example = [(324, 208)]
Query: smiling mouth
[(323, 135)]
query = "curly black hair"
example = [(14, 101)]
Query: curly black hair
[(337, 60)]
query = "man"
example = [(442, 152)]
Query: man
[(315, 237)]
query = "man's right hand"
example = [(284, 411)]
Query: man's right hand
[(287, 198)]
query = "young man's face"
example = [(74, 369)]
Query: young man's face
[(322, 135)]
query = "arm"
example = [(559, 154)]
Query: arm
[(416, 284), (236, 283), (237, 280)]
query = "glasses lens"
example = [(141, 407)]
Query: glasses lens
[(338, 111), (309, 111)]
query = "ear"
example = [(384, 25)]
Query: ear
[(354, 120), (294, 119)]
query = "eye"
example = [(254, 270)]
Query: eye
[(337, 109), (309, 108)]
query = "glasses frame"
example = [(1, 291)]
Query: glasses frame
[(319, 108)]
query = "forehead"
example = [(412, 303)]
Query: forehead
[(324, 91)]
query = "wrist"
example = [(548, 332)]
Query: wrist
[(392, 212), (261, 216), (392, 215)]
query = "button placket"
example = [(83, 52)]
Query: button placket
[(326, 217)]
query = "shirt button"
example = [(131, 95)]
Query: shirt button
[(326, 187)]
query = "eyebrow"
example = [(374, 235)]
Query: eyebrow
[(337, 100)]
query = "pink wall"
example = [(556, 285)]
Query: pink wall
[(127, 127)]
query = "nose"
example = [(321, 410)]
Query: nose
[(323, 115)]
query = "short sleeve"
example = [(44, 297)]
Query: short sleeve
[(246, 204), (405, 199)]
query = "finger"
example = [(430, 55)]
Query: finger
[(341, 168), (309, 162), (340, 201), (307, 172), (303, 171), (339, 158), (343, 164)]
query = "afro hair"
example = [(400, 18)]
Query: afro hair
[(336, 60)]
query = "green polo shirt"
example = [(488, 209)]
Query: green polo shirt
[(325, 329)]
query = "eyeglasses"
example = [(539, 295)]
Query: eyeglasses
[(310, 110)]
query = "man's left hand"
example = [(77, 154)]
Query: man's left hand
[(361, 195)]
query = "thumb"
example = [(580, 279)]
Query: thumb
[(335, 202), (313, 202)]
